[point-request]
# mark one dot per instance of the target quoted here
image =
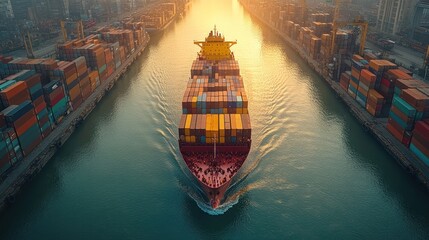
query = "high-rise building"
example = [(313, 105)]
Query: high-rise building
[(6, 9), (21, 8), (394, 15), (420, 22)]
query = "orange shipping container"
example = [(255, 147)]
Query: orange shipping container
[(15, 89), (75, 92)]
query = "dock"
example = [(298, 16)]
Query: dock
[(375, 126), (23, 172)]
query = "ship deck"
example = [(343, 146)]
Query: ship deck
[(214, 173)]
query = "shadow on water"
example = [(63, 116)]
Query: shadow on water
[(412, 197), (44, 187)]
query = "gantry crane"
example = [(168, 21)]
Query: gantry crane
[(339, 24), (26, 37), (79, 29)]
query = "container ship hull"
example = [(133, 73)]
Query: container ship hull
[(214, 173), (215, 129)]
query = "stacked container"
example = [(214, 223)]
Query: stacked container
[(321, 28), (56, 100), (14, 94), (326, 46), (388, 82), (34, 85), (67, 74), (110, 63), (23, 119), (411, 105), (211, 128), (354, 80), (379, 68), (94, 80), (229, 67), (315, 45), (420, 141), (366, 82), (345, 80), (10, 149), (374, 103), (83, 76), (219, 96)]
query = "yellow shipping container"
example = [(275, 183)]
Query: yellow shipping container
[(188, 125), (215, 125), (222, 125), (188, 139), (239, 110), (208, 126), (222, 139), (194, 102), (193, 139), (233, 125), (238, 122)]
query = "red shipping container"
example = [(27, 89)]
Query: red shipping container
[(24, 127), (38, 101), (14, 93), (57, 99), (43, 121), (422, 128), (40, 107), (24, 118), (420, 146), (421, 138)]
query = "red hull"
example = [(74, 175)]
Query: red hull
[(214, 173)]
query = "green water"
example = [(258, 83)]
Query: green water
[(313, 172)]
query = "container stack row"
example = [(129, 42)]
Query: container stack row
[(228, 68), (23, 119), (215, 128), (36, 94), (372, 85), (157, 16), (10, 149), (321, 28), (385, 90), (420, 142), (220, 95), (410, 104)]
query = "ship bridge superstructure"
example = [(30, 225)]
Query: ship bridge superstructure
[(215, 48)]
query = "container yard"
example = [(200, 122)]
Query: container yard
[(44, 100), (384, 97), (159, 17)]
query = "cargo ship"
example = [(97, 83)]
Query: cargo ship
[(215, 129)]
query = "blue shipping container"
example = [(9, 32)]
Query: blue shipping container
[(419, 154)]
